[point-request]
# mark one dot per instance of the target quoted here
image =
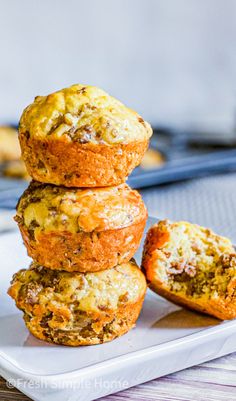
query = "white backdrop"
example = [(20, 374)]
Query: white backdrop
[(172, 60)]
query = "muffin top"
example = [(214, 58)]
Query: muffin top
[(83, 114), (91, 292), (45, 207), (190, 259)]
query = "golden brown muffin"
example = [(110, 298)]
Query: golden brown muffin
[(79, 309), (193, 267), (81, 229), (16, 169), (82, 137), (9, 144), (152, 159)]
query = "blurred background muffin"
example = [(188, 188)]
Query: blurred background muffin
[(9, 144), (152, 159), (10, 154), (15, 169)]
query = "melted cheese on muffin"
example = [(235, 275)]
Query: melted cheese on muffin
[(84, 114), (45, 289), (50, 208)]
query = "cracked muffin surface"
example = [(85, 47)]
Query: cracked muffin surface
[(58, 208), (82, 137), (192, 266), (91, 229), (83, 113), (79, 309)]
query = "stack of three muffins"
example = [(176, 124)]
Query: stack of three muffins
[(80, 222)]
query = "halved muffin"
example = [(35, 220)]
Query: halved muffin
[(79, 309), (192, 266), (82, 137), (81, 229)]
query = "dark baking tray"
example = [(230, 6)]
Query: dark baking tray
[(187, 155)]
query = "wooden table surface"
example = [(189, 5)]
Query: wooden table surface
[(212, 381)]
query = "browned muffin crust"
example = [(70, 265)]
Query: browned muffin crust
[(80, 136), (76, 309), (98, 328), (81, 251), (73, 164), (60, 237)]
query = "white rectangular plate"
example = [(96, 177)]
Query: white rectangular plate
[(166, 339)]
